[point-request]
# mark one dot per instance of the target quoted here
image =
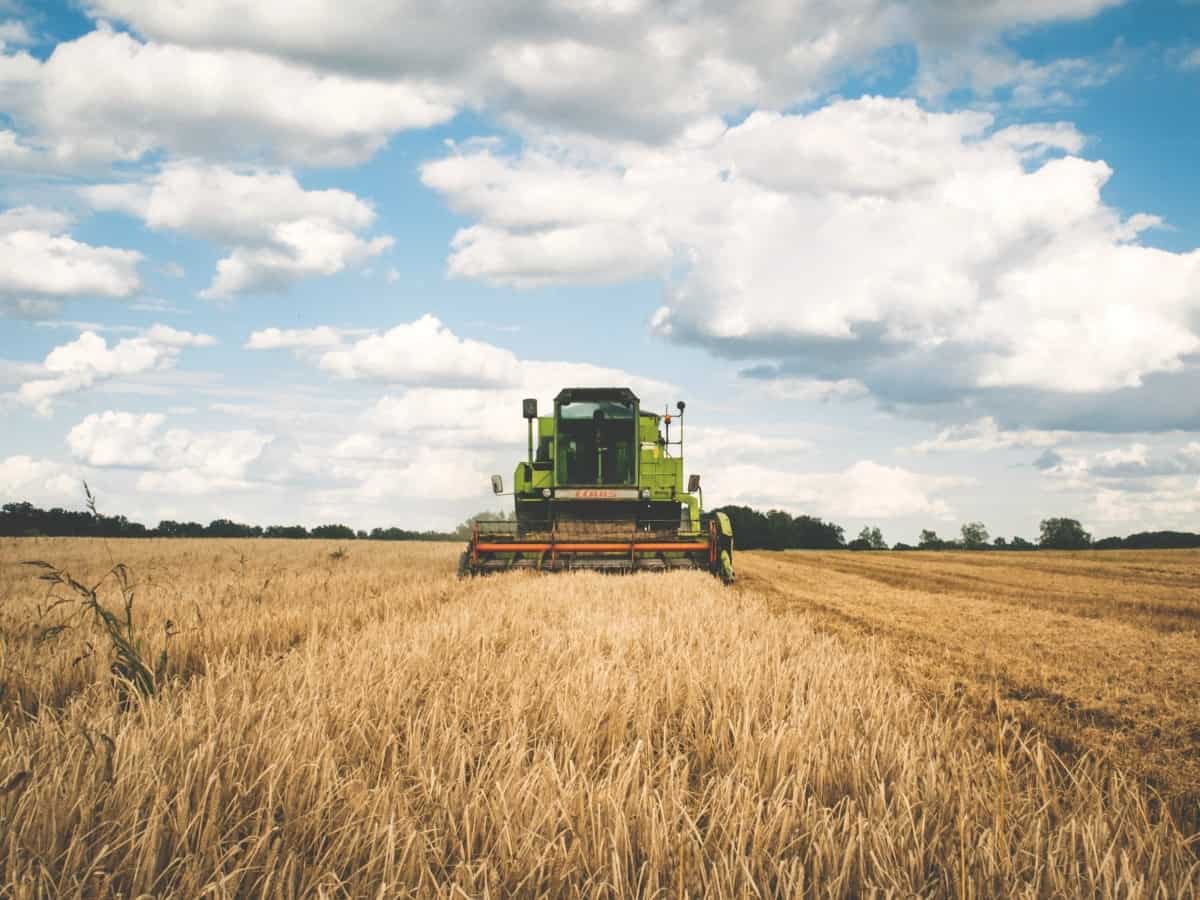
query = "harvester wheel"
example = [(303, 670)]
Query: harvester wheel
[(726, 567), (464, 564)]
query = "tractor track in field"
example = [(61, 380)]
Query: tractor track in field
[(1174, 608), (1047, 666)]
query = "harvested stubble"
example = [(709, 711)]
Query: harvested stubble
[(1097, 651), (535, 736)]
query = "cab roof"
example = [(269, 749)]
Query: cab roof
[(612, 394)]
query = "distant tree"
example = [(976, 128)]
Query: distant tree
[(778, 530), (1000, 543), (929, 540), (859, 543), (360, 535), (400, 534), (1064, 534), (333, 532), (226, 528), (1019, 543), (1163, 540), (171, 528), (974, 535), (286, 531), (809, 532), (900, 545), (872, 536)]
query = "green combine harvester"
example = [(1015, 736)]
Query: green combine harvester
[(602, 489)]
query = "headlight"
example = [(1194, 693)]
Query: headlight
[(546, 493)]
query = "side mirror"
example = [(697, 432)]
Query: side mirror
[(498, 484), (529, 408), (693, 483)]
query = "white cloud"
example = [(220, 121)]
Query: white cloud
[(15, 152), (108, 96), (294, 338), (985, 434), (40, 265), (629, 68), (422, 473), (1139, 485), (812, 388), (175, 460), (990, 71), (1138, 460), (1191, 60), (423, 352), (440, 417), (864, 490), (458, 411), (81, 363), (14, 32), (712, 447), (576, 253), (279, 232), (33, 218), (426, 353), (26, 478), (870, 240)]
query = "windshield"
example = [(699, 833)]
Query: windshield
[(608, 409), (596, 442)]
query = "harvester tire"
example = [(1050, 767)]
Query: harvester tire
[(727, 567), (464, 564)]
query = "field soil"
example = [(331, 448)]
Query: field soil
[(312, 719)]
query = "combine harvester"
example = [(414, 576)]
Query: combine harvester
[(602, 489)]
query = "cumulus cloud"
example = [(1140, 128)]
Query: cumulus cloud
[(1135, 461), (277, 231), (1135, 484), (419, 473), (108, 96), (993, 72), (866, 489), (294, 338), (452, 405), (426, 353), (423, 352), (923, 254), (173, 460), (81, 363), (985, 434), (25, 478), (823, 390), (41, 265), (632, 69)]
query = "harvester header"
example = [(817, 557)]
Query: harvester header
[(602, 488)]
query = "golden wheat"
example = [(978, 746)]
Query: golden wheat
[(370, 726), (1097, 651)]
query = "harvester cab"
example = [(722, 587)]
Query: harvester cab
[(602, 488)]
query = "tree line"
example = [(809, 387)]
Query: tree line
[(752, 529), (778, 530), (27, 520)]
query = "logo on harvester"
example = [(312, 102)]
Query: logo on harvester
[(596, 493)]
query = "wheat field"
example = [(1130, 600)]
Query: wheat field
[(354, 721)]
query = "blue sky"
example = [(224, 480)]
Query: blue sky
[(911, 265)]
